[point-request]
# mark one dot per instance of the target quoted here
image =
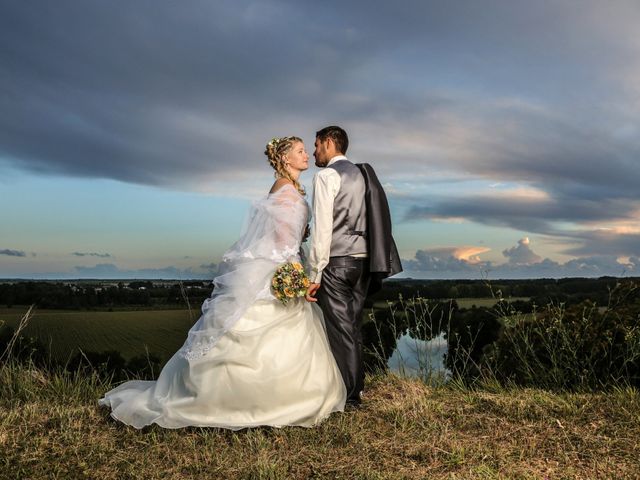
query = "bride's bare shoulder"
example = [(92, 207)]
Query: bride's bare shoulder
[(279, 183)]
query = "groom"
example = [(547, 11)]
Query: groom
[(351, 246)]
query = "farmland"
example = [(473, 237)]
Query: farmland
[(131, 333)]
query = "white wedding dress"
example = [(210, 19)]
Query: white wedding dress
[(249, 360)]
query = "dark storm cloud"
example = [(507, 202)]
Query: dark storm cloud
[(528, 214), (13, 253), (570, 161), (158, 92), (155, 92)]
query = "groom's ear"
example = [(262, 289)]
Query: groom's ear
[(330, 143)]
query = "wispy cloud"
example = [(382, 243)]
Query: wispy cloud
[(209, 267), (91, 254), (13, 253), (112, 271)]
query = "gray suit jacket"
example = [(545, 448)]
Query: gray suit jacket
[(384, 260)]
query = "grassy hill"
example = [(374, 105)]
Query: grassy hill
[(51, 427)]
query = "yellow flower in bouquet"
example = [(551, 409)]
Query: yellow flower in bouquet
[(289, 281)]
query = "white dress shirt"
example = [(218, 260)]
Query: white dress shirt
[(326, 184)]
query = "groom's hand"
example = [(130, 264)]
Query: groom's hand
[(311, 292)]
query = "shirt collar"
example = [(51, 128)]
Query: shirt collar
[(335, 159)]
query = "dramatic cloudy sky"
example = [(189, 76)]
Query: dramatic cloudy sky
[(506, 132)]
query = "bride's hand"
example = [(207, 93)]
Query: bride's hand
[(311, 292)]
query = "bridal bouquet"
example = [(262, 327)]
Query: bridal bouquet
[(289, 281)]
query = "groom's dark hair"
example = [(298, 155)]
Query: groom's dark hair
[(337, 134)]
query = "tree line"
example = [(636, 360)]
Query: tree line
[(149, 294), (540, 290), (65, 295)]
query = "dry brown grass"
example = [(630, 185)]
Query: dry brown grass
[(405, 430)]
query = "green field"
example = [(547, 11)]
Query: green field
[(162, 332), (485, 302)]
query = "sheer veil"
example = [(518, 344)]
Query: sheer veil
[(272, 235)]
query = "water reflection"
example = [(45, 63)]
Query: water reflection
[(408, 337), (419, 358)]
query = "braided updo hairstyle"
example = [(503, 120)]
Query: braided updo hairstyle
[(275, 151)]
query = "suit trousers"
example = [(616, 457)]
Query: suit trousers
[(341, 297)]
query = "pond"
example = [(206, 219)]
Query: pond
[(418, 358)]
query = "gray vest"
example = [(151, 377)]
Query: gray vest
[(349, 212)]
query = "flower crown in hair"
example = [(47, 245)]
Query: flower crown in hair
[(274, 142)]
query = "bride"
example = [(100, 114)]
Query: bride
[(249, 360)]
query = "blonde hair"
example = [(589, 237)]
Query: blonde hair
[(275, 151)]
